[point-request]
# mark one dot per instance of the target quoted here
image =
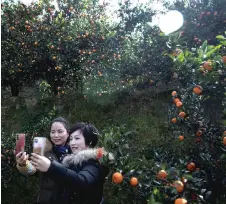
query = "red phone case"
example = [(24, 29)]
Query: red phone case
[(20, 142)]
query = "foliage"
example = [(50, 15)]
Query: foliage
[(203, 20), (110, 74), (40, 52), (204, 184), (16, 187)]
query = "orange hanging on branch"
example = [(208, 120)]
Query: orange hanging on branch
[(117, 178), (191, 166), (197, 90), (133, 181)]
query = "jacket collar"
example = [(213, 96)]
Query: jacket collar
[(80, 157)]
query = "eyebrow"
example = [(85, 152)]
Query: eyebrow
[(58, 129), (75, 135)]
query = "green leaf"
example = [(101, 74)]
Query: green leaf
[(200, 54), (181, 57), (210, 47), (208, 54), (155, 191), (221, 37), (188, 176), (204, 46), (186, 53), (151, 200), (60, 15), (57, 20)]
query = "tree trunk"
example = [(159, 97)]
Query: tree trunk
[(14, 89)]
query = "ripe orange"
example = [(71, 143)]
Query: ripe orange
[(197, 90), (191, 166), (180, 201), (174, 93), (224, 59), (133, 181), (179, 104), (176, 100), (224, 133), (117, 178), (208, 66), (224, 141), (198, 133), (182, 114), (181, 137), (174, 120), (162, 174), (179, 186)]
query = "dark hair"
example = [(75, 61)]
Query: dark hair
[(63, 121), (89, 132)]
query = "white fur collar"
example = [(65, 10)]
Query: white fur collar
[(78, 158)]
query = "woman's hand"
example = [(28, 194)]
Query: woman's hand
[(41, 163), (21, 158)]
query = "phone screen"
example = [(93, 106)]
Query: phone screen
[(20, 143), (39, 145)]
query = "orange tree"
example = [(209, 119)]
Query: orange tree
[(203, 20), (78, 45), (137, 63), (201, 73), (59, 46), (190, 163)]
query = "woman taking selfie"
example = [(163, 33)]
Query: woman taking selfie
[(49, 191), (80, 173)]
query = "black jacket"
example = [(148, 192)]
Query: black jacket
[(81, 176), (49, 191)]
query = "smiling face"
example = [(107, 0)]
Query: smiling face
[(77, 141), (58, 133)]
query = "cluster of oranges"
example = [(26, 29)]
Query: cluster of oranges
[(197, 90), (176, 100), (178, 184), (118, 178), (181, 114)]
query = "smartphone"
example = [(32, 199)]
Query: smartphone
[(20, 143), (39, 144)]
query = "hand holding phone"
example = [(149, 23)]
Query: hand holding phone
[(20, 143), (21, 158)]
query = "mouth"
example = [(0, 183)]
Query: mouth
[(56, 140), (75, 148)]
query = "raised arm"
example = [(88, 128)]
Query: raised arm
[(85, 178)]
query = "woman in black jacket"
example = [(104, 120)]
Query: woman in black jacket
[(81, 174), (49, 190)]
